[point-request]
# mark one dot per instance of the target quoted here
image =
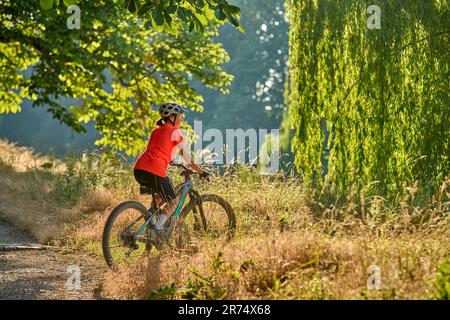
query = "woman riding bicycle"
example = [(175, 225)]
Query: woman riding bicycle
[(130, 230), (151, 166)]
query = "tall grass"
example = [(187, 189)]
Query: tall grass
[(290, 245), (291, 242)]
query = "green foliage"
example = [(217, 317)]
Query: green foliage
[(196, 288), (201, 288), (258, 56), (209, 287), (166, 293), (48, 4), (114, 69), (245, 173), (442, 283), (92, 172), (374, 102), (47, 165), (316, 289), (170, 14), (70, 186)]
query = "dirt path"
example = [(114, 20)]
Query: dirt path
[(44, 274)]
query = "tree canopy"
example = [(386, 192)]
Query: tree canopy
[(171, 15), (374, 101), (167, 14), (114, 69)]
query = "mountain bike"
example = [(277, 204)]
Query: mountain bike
[(129, 230)]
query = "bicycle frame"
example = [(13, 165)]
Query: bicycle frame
[(185, 187), (181, 222)]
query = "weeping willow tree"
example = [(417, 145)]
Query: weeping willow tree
[(373, 104)]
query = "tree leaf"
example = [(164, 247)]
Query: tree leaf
[(183, 14), (209, 13), (201, 19), (232, 9), (168, 18), (69, 3), (220, 14), (145, 9), (171, 9), (200, 3), (157, 16), (131, 5), (46, 4), (233, 20)]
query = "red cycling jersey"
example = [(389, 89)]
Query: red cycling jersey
[(161, 149)]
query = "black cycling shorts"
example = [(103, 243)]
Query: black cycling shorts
[(156, 184)]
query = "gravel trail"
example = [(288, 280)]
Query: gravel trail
[(44, 274)]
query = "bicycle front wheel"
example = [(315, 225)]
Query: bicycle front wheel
[(210, 217), (219, 217)]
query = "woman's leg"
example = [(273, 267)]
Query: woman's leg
[(167, 210), (170, 206), (167, 207), (165, 196)]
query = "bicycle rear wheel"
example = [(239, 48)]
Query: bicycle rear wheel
[(120, 243)]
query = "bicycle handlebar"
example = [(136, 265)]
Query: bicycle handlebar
[(179, 165), (186, 171)]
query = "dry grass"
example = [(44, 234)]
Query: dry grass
[(293, 265), (23, 193), (284, 249), (48, 197), (290, 243)]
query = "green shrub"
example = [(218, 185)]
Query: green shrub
[(442, 283)]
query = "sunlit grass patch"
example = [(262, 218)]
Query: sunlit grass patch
[(291, 242)]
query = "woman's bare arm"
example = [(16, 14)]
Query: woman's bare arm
[(188, 159)]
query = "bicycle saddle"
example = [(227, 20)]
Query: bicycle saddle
[(145, 190)]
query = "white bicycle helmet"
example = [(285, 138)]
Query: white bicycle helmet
[(168, 108)]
